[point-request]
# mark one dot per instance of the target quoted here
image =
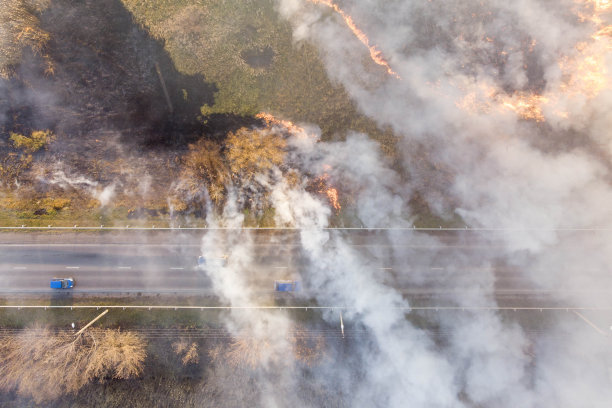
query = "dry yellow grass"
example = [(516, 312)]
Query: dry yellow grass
[(20, 29), (252, 351)]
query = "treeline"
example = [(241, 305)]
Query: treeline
[(46, 366)]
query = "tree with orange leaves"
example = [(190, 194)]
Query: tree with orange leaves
[(253, 151)]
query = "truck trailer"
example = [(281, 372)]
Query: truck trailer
[(287, 286)]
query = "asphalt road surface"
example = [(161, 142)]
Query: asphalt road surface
[(420, 265)]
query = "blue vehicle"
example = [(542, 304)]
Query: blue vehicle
[(287, 286), (62, 283), (216, 261)]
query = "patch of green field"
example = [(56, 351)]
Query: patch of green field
[(248, 51)]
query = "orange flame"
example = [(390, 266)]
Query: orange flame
[(332, 194), (272, 121), (584, 74), (601, 5), (527, 106), (322, 186), (375, 53), (601, 34)]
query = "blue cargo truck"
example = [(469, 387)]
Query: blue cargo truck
[(287, 286), (212, 261), (62, 283)]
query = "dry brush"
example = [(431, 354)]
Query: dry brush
[(44, 364)]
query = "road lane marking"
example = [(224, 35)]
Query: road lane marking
[(385, 269), (176, 268), (280, 267), (19, 267), (73, 267), (124, 267), (436, 268)]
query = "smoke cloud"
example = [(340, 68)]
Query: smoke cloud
[(511, 102)]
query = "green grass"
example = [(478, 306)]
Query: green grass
[(130, 318), (208, 38)]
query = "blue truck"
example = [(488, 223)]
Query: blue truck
[(212, 261), (287, 286), (62, 283)]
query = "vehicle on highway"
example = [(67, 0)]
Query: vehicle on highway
[(287, 286), (62, 283), (212, 261)]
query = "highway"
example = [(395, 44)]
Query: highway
[(157, 262)]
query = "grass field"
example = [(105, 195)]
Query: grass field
[(223, 62)]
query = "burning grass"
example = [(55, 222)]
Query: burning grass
[(212, 39), (375, 53)]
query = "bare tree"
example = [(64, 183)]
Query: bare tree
[(204, 166), (44, 364)]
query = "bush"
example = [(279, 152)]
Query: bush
[(37, 140), (56, 204)]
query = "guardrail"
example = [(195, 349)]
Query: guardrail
[(181, 228), (408, 308)]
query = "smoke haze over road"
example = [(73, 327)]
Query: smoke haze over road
[(511, 102)]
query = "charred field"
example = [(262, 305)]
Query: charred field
[(123, 89)]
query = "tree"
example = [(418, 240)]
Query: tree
[(253, 151), (44, 364), (205, 166)]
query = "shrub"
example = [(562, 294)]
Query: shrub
[(37, 140)]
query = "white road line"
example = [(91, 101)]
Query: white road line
[(124, 267), (73, 267), (19, 267), (385, 269), (176, 268), (280, 267), (436, 268)]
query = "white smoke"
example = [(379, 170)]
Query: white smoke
[(529, 180), (103, 194), (237, 283)]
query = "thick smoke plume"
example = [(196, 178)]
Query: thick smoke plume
[(511, 102)]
